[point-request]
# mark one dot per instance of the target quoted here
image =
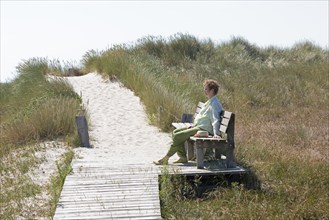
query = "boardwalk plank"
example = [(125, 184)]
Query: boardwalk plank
[(112, 204), (112, 196), (109, 215), (99, 189)]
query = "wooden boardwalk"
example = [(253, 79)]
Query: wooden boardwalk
[(99, 190)]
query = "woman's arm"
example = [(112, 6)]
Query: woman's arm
[(215, 119)]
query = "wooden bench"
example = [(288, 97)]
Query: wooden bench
[(223, 147)]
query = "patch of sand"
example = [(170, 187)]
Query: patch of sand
[(30, 166), (119, 128)]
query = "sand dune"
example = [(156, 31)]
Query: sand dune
[(119, 128)]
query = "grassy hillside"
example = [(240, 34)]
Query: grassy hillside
[(280, 97), (33, 109)]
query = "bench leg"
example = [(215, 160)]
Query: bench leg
[(218, 153), (199, 158), (189, 149), (230, 157)]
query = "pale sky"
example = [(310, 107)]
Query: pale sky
[(66, 30)]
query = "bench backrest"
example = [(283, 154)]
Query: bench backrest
[(227, 125)]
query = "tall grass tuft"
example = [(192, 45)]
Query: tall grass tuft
[(34, 108), (44, 119)]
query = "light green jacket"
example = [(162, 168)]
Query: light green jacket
[(208, 118)]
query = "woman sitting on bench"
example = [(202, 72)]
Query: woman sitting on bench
[(208, 119)]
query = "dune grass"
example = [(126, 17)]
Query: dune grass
[(57, 182), (33, 109), (280, 97)]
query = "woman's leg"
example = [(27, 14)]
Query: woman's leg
[(178, 130), (179, 137)]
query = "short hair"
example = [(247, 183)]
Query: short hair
[(211, 84)]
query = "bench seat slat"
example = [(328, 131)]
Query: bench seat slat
[(206, 139)]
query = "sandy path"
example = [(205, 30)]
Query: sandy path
[(119, 129)]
